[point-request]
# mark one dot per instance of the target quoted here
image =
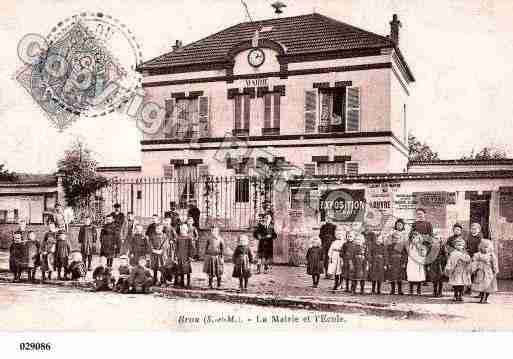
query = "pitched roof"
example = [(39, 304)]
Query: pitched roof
[(31, 180), (304, 34)]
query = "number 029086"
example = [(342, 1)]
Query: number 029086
[(35, 346)]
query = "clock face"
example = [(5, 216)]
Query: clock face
[(256, 57)]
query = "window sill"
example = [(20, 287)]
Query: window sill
[(270, 131), (240, 133)]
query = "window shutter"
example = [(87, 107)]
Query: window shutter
[(310, 110), (203, 171), (353, 109), (277, 114), (326, 111), (247, 111), (237, 103), (267, 110), (352, 168), (204, 116), (168, 171), (168, 120), (309, 169)]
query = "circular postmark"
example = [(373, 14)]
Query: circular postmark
[(85, 66)]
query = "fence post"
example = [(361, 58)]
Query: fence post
[(132, 197), (161, 198)]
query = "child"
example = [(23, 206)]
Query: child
[(242, 259), (77, 268), (123, 285), (48, 252), (159, 244), (62, 252), (315, 261), (484, 267), (168, 270), (358, 264), (16, 254), (436, 260), (378, 263), (102, 276), (140, 246), (214, 263), (140, 277), (335, 258), (347, 249), (415, 271), (184, 254), (32, 255), (193, 232), (458, 269), (87, 238), (397, 258)]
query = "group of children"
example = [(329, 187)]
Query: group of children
[(358, 257)]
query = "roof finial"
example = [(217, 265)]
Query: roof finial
[(278, 6)]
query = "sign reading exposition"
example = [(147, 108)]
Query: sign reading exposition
[(343, 205)]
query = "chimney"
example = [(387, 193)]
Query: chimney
[(177, 45), (395, 25)]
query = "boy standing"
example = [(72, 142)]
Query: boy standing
[(48, 252), (109, 240), (62, 252), (87, 237), (140, 246)]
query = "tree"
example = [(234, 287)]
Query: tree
[(80, 180), (486, 153), (419, 151), (6, 175)]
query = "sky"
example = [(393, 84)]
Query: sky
[(460, 52)]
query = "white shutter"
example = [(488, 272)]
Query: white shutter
[(202, 171), (204, 116), (169, 117), (352, 109), (310, 110), (352, 168)]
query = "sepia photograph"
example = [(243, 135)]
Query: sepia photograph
[(259, 165)]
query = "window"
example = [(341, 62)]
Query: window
[(186, 125), (241, 115), (299, 198), (352, 168), (333, 110), (242, 190), (186, 181), (331, 168), (271, 114)]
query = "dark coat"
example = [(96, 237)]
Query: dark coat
[(140, 277), (184, 254), (265, 236), (315, 260), (16, 256), (345, 253), (358, 262), (213, 264), (422, 227), (77, 270), (150, 231), (47, 250), (175, 218), (158, 242), (472, 244), (32, 252), (102, 277), (194, 213), (436, 261), (449, 244), (119, 220), (242, 258), (327, 235), (62, 252), (87, 237), (378, 260), (397, 256), (109, 240), (139, 247)]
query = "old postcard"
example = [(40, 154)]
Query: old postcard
[(255, 165)]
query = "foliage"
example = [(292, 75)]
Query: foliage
[(80, 179), (6, 175), (419, 151), (486, 153)]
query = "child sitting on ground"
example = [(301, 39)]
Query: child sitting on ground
[(315, 261), (122, 284), (77, 268), (102, 276), (140, 277), (484, 267), (458, 269), (242, 259)]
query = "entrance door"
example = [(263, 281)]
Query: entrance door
[(480, 213)]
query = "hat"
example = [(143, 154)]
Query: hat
[(124, 256), (457, 225), (117, 205)]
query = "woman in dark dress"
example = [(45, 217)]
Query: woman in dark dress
[(265, 235), (184, 254), (315, 261)]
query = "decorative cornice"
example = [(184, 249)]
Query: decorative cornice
[(118, 169), (462, 162)]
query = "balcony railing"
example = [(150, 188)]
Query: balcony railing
[(270, 131), (240, 132), (331, 128)]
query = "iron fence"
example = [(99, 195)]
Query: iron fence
[(234, 203)]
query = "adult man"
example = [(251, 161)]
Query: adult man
[(129, 227), (194, 213), (173, 214), (265, 234), (327, 236), (119, 221), (472, 245), (109, 240)]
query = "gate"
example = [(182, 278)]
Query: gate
[(234, 203)]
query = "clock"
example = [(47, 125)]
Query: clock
[(256, 57)]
